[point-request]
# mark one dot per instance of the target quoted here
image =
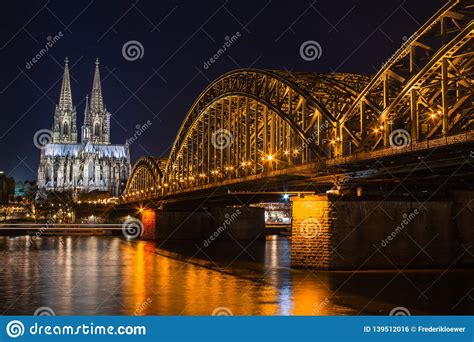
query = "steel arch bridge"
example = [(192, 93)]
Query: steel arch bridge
[(145, 174), (251, 122)]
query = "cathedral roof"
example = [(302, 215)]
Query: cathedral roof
[(74, 150)]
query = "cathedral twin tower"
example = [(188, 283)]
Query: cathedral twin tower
[(91, 165), (96, 118)]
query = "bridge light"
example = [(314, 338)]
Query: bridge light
[(202, 175), (433, 115), (376, 130), (286, 197), (269, 157), (166, 185), (296, 151), (152, 188), (333, 142), (286, 152)]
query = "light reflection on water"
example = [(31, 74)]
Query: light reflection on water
[(112, 276)]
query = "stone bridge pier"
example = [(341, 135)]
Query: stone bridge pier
[(330, 232)]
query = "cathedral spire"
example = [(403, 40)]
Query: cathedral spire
[(65, 98), (64, 125), (86, 128), (97, 102), (87, 117)]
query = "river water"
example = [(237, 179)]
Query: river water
[(106, 275)]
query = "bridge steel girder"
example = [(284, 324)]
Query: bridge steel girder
[(425, 88), (145, 175), (251, 122)]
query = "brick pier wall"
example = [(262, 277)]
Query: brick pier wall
[(312, 217), (149, 224), (333, 233)]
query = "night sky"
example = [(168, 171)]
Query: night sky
[(178, 37)]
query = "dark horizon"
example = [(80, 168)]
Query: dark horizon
[(178, 38)]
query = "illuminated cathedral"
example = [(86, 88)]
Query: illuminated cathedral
[(93, 164)]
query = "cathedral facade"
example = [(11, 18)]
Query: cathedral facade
[(93, 164)]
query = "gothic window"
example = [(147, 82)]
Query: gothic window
[(97, 130), (55, 173), (114, 173), (90, 173), (65, 129), (70, 172), (49, 173)]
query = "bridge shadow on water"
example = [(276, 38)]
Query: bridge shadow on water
[(430, 291)]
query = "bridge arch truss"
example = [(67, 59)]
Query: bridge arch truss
[(249, 122)]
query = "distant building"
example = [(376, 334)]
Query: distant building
[(7, 188), (91, 165), (25, 191)]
